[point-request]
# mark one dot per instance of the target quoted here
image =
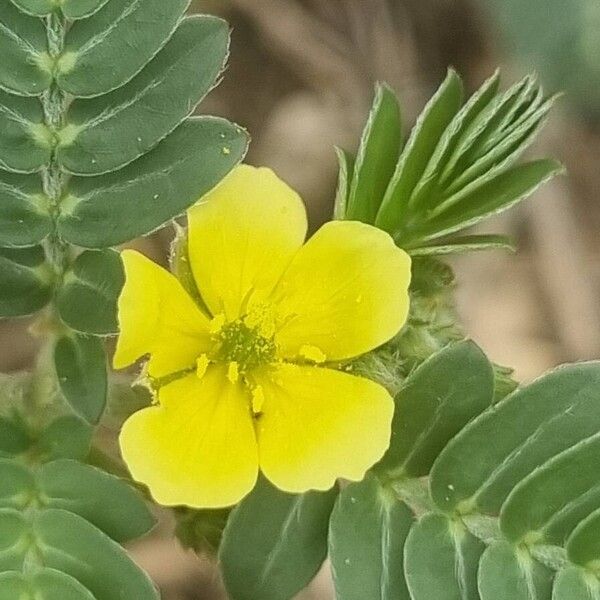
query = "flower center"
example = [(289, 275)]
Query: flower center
[(244, 345)]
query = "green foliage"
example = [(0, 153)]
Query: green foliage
[(456, 169), (501, 502), (275, 543), (95, 279), (97, 147)]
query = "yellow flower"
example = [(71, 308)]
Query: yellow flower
[(249, 382)]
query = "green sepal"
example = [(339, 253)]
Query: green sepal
[(106, 50), (274, 543), (80, 363), (68, 543), (104, 134), (141, 198), (26, 281), (23, 47), (367, 534), (201, 530), (24, 214), (95, 279), (25, 142), (377, 157)]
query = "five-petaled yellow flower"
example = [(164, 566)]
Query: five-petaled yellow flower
[(252, 378)]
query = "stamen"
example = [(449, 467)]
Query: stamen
[(313, 354), (202, 363), (233, 372), (258, 399)]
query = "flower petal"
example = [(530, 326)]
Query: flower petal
[(198, 447), (318, 425), (157, 317), (242, 236), (345, 293)]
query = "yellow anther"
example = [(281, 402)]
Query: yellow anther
[(202, 363), (216, 324), (313, 354), (258, 399), (233, 372)]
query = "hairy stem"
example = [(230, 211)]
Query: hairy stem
[(54, 105)]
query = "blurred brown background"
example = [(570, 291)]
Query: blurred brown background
[(301, 79)]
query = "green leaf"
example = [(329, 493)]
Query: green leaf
[(460, 245), (105, 51), (485, 126), (377, 157), (106, 133), (13, 529), (107, 502), (484, 462), (548, 504), (17, 485), (67, 543), (367, 533), (80, 364), (487, 198), (102, 499), (441, 559), (24, 217), (573, 583), (25, 145), (37, 8), (23, 49), (14, 439), (71, 9), (437, 400), (583, 545), (421, 145), (43, 584), (506, 150), (428, 186), (81, 9), (346, 167), (508, 573), (95, 279), (25, 281), (157, 187), (275, 543), (65, 437)]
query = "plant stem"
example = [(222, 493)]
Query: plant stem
[(54, 105)]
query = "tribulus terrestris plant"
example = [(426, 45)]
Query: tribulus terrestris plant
[(293, 399)]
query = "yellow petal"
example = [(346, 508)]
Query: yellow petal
[(242, 236), (318, 425), (345, 292), (198, 447), (157, 317)]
